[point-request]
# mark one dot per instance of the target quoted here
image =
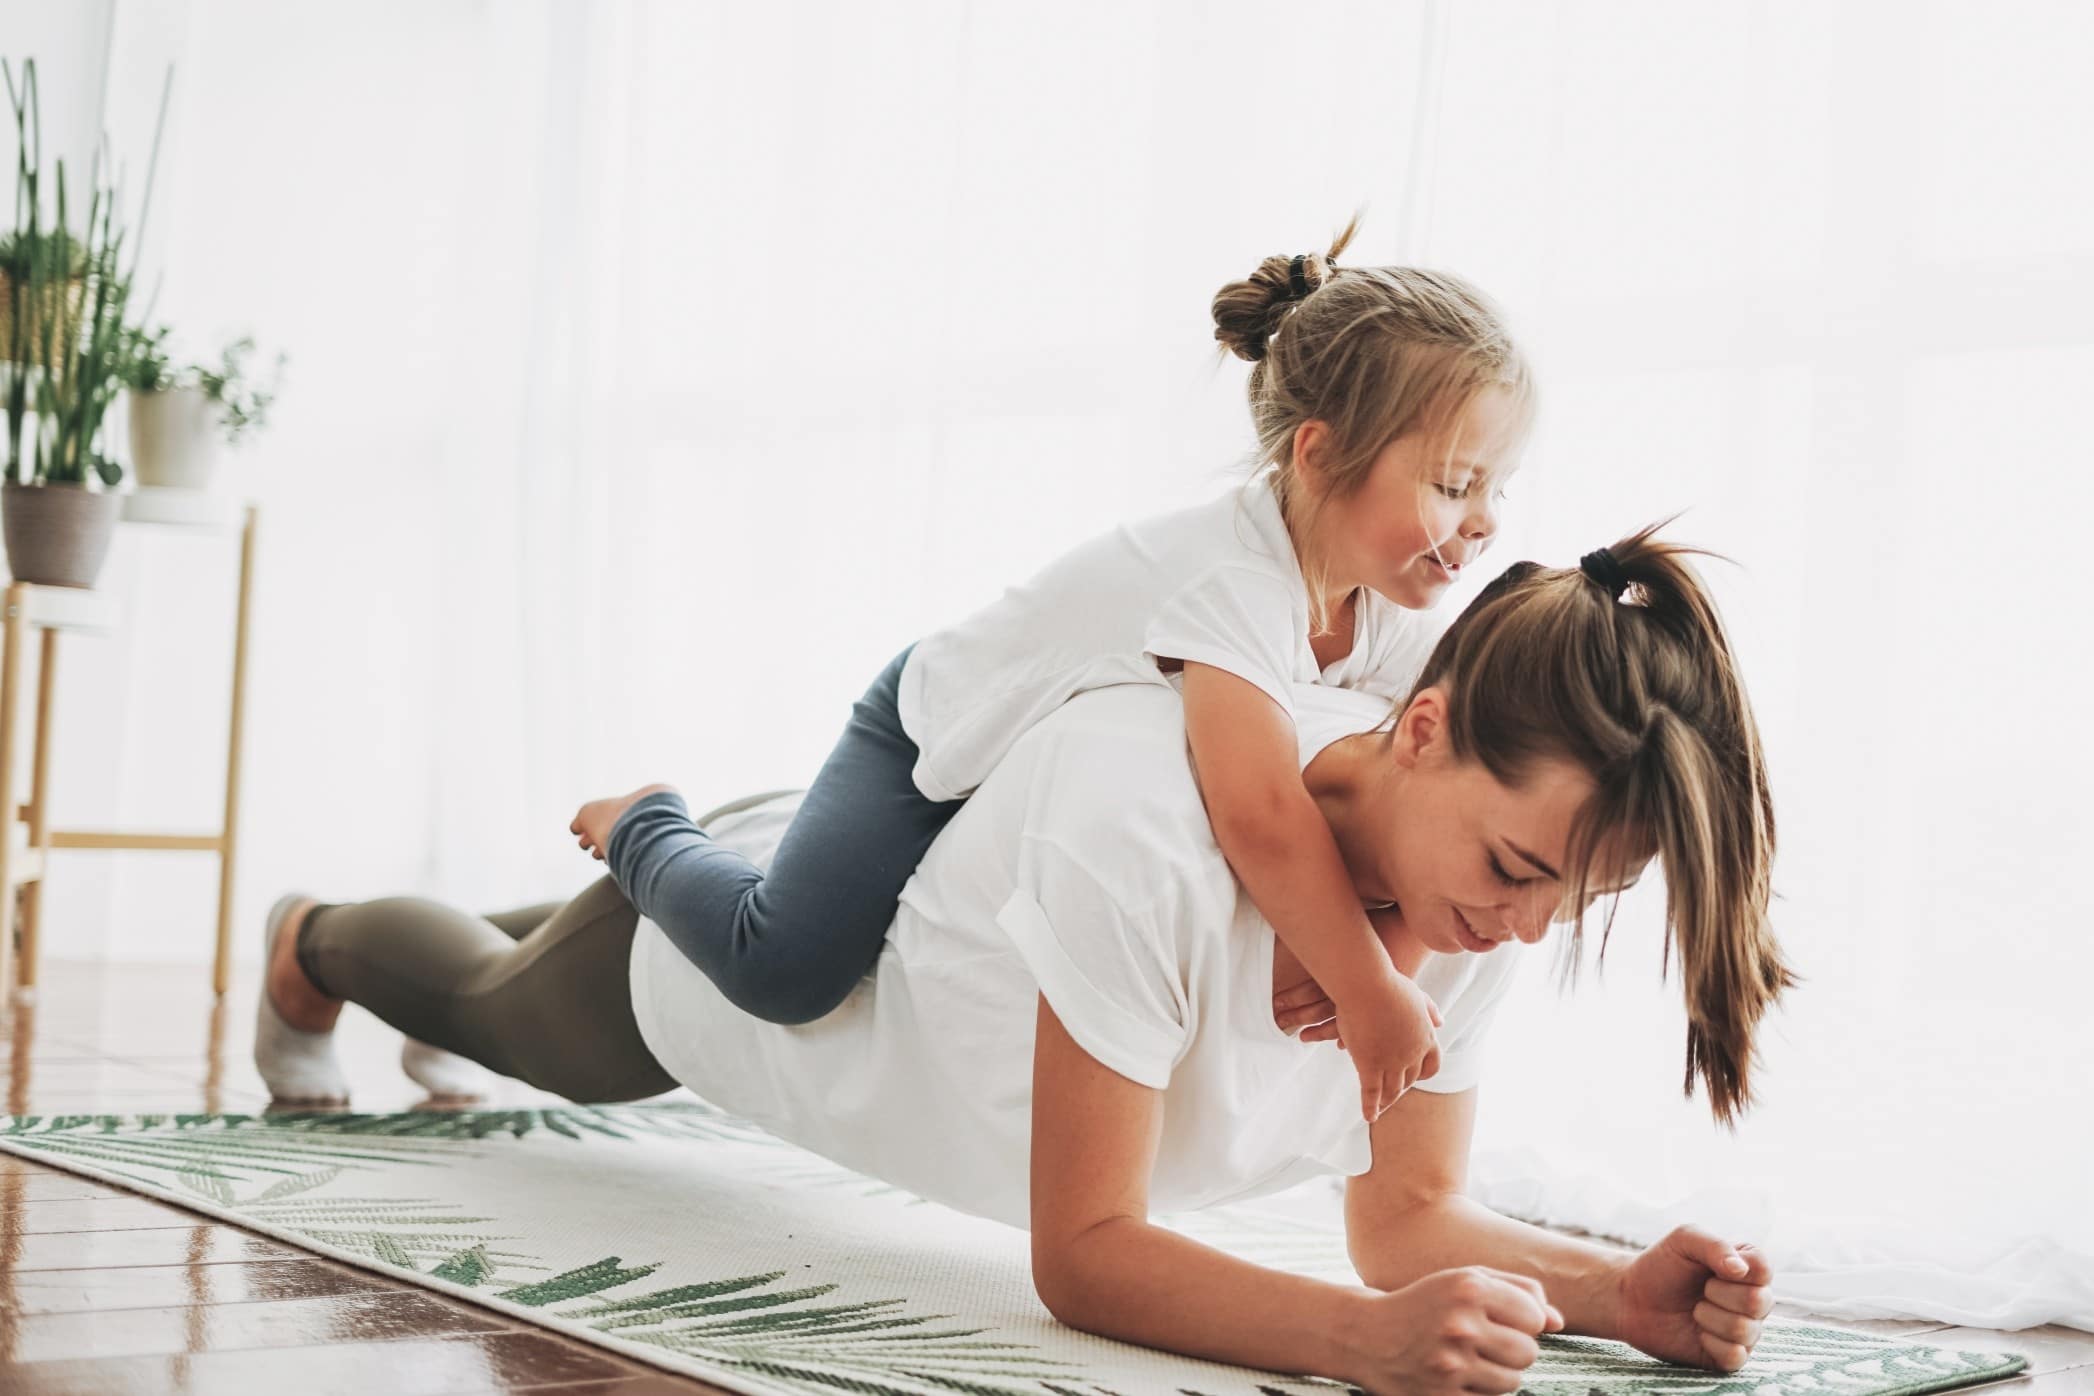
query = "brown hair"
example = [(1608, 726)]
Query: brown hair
[(1625, 671), (1374, 353)]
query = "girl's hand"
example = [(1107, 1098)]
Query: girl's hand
[(1694, 1299), (1306, 1007), (1390, 1029), (1455, 1331), (593, 822)]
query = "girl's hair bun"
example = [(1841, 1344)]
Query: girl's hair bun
[(1247, 312)]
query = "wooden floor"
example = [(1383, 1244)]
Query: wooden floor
[(102, 1291)]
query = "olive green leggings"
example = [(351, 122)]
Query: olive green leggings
[(540, 994)]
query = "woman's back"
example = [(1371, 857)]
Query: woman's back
[(1084, 869)]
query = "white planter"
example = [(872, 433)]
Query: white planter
[(174, 438)]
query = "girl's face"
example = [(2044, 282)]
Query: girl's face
[(1472, 862), (1427, 509)]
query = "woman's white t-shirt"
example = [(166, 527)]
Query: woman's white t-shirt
[(1217, 584), (1083, 869)]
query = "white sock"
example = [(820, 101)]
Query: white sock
[(444, 1073), (298, 1067)]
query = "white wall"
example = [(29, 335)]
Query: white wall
[(140, 716), (70, 43)]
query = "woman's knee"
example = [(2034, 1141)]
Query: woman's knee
[(600, 1081), (601, 1060)]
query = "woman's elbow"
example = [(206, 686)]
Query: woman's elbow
[(1375, 1272), (1058, 1291), (1059, 1278)]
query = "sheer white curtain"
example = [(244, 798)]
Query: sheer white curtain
[(662, 369), (1822, 277)]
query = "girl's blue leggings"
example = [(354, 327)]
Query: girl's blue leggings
[(788, 946)]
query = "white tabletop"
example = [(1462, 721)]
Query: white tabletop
[(69, 608), (79, 608), (183, 508)]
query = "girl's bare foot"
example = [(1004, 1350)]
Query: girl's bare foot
[(593, 823)]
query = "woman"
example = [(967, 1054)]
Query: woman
[(1072, 1021)]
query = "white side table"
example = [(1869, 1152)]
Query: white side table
[(25, 852)]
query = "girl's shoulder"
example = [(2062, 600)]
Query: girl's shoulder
[(1156, 556), (1240, 526)]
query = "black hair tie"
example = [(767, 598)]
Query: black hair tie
[(1298, 282), (1603, 568)]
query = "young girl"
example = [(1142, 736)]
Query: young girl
[(1388, 403)]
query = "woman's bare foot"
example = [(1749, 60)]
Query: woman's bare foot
[(296, 999), (594, 821)]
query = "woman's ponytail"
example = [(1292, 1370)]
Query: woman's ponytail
[(1621, 665)]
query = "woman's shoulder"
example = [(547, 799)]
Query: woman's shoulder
[(1107, 776), (1123, 744)]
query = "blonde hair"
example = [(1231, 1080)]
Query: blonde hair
[(1640, 691), (1374, 353)]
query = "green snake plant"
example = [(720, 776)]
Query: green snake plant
[(67, 299)]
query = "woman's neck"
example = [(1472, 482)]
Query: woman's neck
[(1343, 778)]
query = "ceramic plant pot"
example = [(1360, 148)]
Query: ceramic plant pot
[(57, 535), (174, 438)]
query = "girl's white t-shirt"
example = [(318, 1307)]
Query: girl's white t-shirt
[(1217, 584), (1083, 869)]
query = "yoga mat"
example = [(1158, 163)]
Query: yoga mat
[(682, 1236)]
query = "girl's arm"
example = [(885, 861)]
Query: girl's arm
[(649, 840), (1247, 757), (1101, 1266)]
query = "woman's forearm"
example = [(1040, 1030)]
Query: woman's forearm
[(1452, 1230), (1135, 1281)]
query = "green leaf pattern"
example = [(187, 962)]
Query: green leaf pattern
[(410, 1193)]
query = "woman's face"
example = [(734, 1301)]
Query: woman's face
[(1471, 862), (1427, 509)]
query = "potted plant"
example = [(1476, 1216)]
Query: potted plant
[(61, 362), (175, 410), (57, 267)]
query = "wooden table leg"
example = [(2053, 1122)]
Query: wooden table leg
[(39, 810), (221, 971), (16, 620)]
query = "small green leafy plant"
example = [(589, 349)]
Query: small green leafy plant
[(245, 401), (144, 365), (243, 398)]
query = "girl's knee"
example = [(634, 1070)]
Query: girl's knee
[(789, 993)]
